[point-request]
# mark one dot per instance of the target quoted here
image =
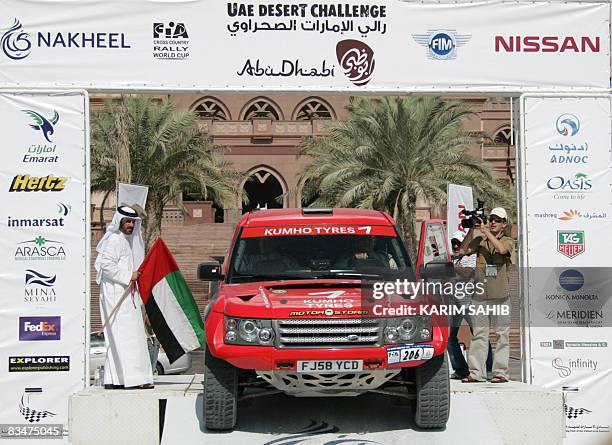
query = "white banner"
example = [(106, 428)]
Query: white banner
[(459, 198), (44, 263), (131, 194), (567, 217), (355, 45)]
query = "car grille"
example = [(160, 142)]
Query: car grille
[(311, 333)]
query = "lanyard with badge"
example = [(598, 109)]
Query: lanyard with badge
[(490, 269)]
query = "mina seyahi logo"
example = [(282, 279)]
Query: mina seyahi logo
[(39, 288), (570, 243), (39, 328), (568, 125), (356, 60), (42, 124), (441, 44), (15, 42), (40, 249)]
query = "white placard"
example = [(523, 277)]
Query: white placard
[(459, 198)]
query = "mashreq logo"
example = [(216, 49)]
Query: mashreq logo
[(357, 61)]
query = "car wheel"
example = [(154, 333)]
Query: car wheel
[(220, 393), (432, 393), (159, 369)]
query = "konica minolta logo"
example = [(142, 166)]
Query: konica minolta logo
[(17, 43)]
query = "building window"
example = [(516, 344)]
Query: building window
[(313, 108), (210, 108), (502, 136), (262, 107)]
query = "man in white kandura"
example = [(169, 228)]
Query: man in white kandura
[(120, 252)]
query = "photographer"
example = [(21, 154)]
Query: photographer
[(493, 250)]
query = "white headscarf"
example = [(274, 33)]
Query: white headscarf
[(135, 239)]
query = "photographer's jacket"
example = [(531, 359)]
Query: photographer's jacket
[(492, 267)]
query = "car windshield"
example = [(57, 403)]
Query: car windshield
[(318, 256)]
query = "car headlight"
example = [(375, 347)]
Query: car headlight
[(408, 329), (247, 331)]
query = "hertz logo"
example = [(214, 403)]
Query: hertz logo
[(27, 183)]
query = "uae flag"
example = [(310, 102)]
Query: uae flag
[(172, 311)]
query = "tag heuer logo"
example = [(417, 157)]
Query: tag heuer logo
[(570, 242)]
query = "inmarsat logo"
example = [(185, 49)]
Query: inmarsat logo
[(568, 125), (357, 61), (42, 124), (441, 44), (16, 42)]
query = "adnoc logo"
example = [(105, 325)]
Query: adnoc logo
[(568, 125), (441, 44), (42, 124), (16, 42)]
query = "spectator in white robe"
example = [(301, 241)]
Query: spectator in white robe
[(120, 253)]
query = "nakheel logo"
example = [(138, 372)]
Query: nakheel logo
[(570, 243), (42, 124), (63, 211), (15, 42), (39, 328), (357, 60), (40, 249), (27, 183), (32, 415), (39, 288), (441, 44)]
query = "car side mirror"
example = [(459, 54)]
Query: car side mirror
[(438, 270), (209, 271)]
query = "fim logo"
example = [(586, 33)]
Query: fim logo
[(570, 243), (15, 42), (441, 44), (172, 31), (42, 124), (568, 125), (573, 413), (27, 183), (30, 414), (357, 61)]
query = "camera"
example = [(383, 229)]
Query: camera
[(473, 216)]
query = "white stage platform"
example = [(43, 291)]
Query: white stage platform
[(513, 413)]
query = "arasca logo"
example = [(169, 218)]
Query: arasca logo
[(170, 41), (570, 243), (39, 288), (357, 60), (441, 44), (40, 249), (27, 183), (42, 124), (16, 42)]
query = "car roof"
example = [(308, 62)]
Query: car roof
[(282, 217)]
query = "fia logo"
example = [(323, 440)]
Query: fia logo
[(171, 31)]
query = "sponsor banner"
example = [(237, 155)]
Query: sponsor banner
[(567, 218), (459, 199), (327, 46), (312, 230), (44, 261)]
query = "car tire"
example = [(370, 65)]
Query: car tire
[(432, 393), (159, 369), (220, 393)]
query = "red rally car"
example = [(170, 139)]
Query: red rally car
[(290, 311)]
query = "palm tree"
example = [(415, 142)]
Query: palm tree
[(167, 151), (392, 151)]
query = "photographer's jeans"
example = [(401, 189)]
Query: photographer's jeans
[(481, 325), (454, 349)]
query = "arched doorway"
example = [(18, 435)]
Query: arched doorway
[(264, 189)]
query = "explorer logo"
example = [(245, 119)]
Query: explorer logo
[(27, 183), (570, 242)]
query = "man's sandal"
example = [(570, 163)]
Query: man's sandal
[(499, 379), (470, 379)]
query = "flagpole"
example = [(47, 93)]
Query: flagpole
[(123, 297)]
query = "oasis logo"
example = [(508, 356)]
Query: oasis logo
[(579, 183), (39, 328), (42, 124), (39, 288), (27, 183), (570, 243), (547, 44), (39, 363), (441, 44), (40, 249), (62, 209), (566, 370), (357, 60)]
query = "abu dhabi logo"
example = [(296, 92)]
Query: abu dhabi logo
[(568, 125), (357, 60), (15, 42), (42, 124), (30, 414), (441, 44)]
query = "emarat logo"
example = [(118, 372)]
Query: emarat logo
[(170, 41), (39, 287), (29, 408), (42, 124), (441, 44), (27, 183), (40, 249), (58, 220), (17, 43)]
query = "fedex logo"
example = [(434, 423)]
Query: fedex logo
[(39, 328)]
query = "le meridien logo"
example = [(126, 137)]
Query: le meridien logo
[(27, 183)]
